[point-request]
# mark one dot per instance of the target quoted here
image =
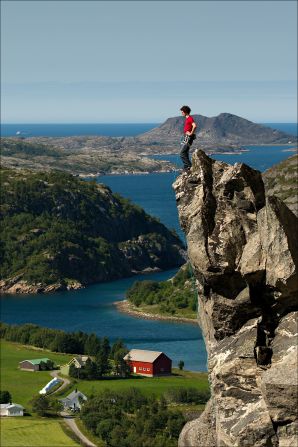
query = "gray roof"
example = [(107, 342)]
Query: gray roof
[(76, 394), (141, 355), (11, 405), (72, 400)]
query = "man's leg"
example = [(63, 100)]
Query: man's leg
[(184, 154)]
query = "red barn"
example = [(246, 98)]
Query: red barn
[(148, 363)]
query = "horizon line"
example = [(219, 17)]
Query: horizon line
[(123, 122)]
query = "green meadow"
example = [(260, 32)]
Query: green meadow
[(34, 432), (23, 385), (148, 385)]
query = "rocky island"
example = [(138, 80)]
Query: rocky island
[(227, 130), (60, 232), (243, 247)]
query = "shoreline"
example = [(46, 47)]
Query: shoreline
[(125, 307)]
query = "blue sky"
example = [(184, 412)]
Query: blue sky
[(139, 61)]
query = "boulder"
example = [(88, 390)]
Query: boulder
[(243, 249)]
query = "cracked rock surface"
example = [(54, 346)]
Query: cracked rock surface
[(243, 248)]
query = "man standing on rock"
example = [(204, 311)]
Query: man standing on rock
[(189, 137)]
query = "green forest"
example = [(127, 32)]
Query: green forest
[(57, 228), (129, 418)]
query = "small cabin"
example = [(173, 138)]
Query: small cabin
[(33, 364), (11, 409), (148, 363), (73, 401)]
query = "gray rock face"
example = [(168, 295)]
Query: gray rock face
[(243, 249)]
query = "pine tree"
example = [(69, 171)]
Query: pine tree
[(90, 369)]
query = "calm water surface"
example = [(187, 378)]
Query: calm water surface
[(92, 310), (69, 130)]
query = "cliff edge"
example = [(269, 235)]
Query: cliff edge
[(243, 249)]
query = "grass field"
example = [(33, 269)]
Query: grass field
[(23, 385), (33, 432), (148, 385)]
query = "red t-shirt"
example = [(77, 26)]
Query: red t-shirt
[(188, 124)]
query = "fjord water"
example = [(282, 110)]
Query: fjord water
[(92, 309)]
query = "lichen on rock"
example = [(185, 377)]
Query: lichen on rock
[(243, 250)]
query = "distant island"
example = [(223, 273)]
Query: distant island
[(99, 155), (225, 129), (62, 233)]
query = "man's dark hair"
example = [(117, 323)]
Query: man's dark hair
[(186, 109)]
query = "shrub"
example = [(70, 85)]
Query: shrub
[(5, 397)]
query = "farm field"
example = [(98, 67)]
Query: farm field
[(34, 432), (148, 385), (23, 385)]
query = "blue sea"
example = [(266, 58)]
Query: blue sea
[(68, 130), (113, 130), (92, 309)]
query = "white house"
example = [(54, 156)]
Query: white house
[(50, 385), (11, 409), (74, 400)]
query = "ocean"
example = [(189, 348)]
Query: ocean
[(113, 130), (68, 130)]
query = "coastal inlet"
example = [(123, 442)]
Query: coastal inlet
[(93, 310)]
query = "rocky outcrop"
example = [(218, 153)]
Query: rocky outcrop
[(243, 249), (16, 285)]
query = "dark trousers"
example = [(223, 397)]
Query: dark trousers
[(184, 154)]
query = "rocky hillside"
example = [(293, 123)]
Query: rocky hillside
[(244, 251), (282, 181), (59, 232), (224, 129)]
